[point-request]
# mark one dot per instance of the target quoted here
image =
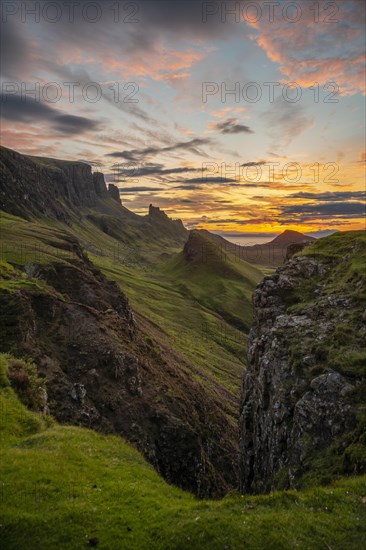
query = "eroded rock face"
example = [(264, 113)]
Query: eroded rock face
[(292, 407)]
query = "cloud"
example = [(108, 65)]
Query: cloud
[(25, 138), (231, 126), (71, 124), (159, 170), (225, 111), (17, 109), (324, 210), (141, 189), (315, 55), (82, 77), (188, 187), (141, 30), (206, 180), (331, 196), (230, 221), (259, 163), (14, 50), (133, 170), (137, 155), (338, 204)]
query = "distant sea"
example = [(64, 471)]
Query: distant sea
[(248, 241)]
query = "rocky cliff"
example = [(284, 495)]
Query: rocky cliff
[(48, 187), (303, 410)]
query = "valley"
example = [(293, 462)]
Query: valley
[(169, 395)]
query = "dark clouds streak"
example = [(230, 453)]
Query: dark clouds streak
[(231, 126), (27, 110), (138, 155)]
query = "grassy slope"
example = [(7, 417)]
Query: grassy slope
[(63, 486), (199, 317)]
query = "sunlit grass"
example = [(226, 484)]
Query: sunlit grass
[(68, 487)]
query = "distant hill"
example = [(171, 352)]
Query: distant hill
[(291, 237), (321, 233)]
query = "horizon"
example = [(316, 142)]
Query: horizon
[(240, 238), (247, 239), (203, 111)]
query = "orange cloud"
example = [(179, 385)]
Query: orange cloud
[(227, 111), (27, 139), (160, 64), (303, 62)]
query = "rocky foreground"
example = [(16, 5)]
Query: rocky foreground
[(303, 401)]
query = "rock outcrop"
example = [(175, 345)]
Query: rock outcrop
[(295, 248), (302, 407), (160, 224), (114, 192)]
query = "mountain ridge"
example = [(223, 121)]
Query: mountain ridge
[(68, 190)]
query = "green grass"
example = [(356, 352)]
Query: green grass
[(346, 252), (62, 486)]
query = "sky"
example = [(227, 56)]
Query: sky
[(243, 118)]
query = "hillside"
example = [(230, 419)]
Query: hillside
[(217, 280), (137, 252), (108, 371), (304, 392), (39, 187), (67, 487)]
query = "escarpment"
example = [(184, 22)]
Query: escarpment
[(304, 393), (49, 187)]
